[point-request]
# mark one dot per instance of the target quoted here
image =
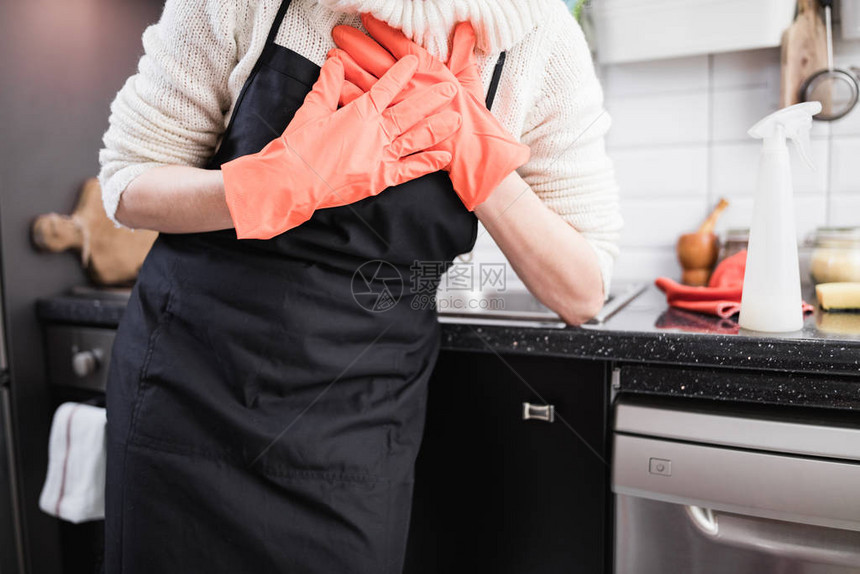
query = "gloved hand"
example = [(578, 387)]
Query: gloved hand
[(483, 152), (329, 157), (461, 62)]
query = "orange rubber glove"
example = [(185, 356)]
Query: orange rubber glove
[(483, 152), (329, 157)]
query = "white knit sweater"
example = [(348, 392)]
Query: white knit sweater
[(199, 54)]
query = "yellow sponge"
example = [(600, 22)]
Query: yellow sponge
[(838, 295)]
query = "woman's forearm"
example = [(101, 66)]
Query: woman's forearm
[(175, 199), (552, 258), (554, 261)]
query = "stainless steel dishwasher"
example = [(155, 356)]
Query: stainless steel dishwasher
[(735, 490)]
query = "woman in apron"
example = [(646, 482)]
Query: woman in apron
[(266, 396)]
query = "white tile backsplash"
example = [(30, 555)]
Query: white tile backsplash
[(734, 169), (664, 172), (845, 209), (663, 119), (636, 264), (846, 53), (847, 126), (679, 142), (820, 130), (655, 223), (814, 180), (751, 69), (659, 76), (736, 110), (846, 165)]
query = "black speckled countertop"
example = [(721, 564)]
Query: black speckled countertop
[(686, 354), (647, 331)]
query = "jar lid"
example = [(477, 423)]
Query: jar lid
[(739, 234), (838, 233)]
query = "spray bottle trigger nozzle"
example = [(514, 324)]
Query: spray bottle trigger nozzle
[(802, 143), (792, 123)]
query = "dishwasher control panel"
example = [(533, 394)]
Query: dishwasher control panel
[(660, 466)]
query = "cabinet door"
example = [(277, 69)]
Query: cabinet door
[(496, 493)]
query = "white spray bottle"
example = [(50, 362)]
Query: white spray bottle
[(771, 297)]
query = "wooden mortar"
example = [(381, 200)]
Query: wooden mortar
[(697, 252)]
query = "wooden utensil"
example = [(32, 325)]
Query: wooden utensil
[(804, 51), (697, 252), (111, 255), (711, 222)]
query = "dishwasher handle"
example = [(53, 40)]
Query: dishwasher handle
[(792, 540)]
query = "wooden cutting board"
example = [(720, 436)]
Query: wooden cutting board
[(111, 255), (804, 51)]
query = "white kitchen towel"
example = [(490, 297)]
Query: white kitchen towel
[(74, 487)]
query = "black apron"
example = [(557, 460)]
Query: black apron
[(266, 398)]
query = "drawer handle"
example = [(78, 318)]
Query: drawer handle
[(544, 413)]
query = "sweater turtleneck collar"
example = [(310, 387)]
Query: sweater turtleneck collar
[(499, 24)]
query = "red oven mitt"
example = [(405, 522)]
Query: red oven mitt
[(722, 296)]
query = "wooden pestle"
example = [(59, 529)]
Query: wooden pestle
[(697, 252), (711, 222)]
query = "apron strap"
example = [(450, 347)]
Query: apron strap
[(276, 25), (494, 83)]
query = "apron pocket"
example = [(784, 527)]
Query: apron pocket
[(228, 394)]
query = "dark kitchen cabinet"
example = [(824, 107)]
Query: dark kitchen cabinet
[(497, 493)]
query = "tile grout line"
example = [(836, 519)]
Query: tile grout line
[(709, 168), (625, 96), (828, 190)]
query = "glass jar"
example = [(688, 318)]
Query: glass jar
[(735, 239), (835, 254)]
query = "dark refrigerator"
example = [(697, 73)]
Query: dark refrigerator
[(11, 545), (62, 64)]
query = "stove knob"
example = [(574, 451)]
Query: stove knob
[(86, 363)]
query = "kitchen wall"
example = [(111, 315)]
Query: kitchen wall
[(62, 65), (678, 141)]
